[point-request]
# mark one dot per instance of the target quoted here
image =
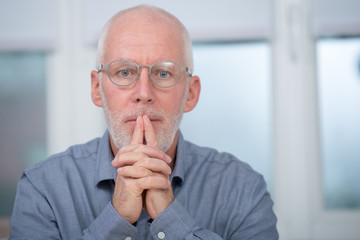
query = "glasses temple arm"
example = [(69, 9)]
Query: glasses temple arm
[(188, 71), (100, 67)]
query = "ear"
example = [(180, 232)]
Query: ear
[(95, 89), (193, 94)]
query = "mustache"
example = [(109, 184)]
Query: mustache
[(134, 113)]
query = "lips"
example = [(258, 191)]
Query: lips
[(132, 119)]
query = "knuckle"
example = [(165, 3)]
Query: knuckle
[(126, 148), (144, 172), (144, 162), (141, 184), (141, 155), (138, 147), (153, 143), (148, 182), (147, 160), (119, 171)]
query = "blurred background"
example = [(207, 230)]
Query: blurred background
[(280, 90)]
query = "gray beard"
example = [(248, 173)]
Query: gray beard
[(122, 137)]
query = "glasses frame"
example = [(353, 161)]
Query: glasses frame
[(106, 67)]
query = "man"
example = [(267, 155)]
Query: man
[(141, 180)]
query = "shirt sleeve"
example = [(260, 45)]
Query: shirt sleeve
[(260, 220), (258, 224), (33, 218), (110, 225), (176, 223)]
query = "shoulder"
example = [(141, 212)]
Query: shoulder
[(222, 171), (212, 159), (67, 162), (234, 180), (71, 155)]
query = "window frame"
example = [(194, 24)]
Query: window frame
[(298, 193)]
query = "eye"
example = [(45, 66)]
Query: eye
[(124, 73), (163, 74)]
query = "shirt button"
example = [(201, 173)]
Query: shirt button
[(161, 235), (128, 238)]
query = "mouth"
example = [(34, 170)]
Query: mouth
[(132, 120)]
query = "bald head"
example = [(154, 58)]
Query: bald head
[(143, 20)]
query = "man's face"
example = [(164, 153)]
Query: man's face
[(143, 43)]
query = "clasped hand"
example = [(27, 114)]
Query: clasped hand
[(143, 175)]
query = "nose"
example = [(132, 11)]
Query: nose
[(144, 89)]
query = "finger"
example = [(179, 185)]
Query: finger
[(142, 160), (127, 159), (150, 136), (153, 182), (148, 150), (137, 171), (154, 165), (138, 135), (134, 172)]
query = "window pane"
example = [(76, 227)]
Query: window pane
[(22, 125), (233, 113), (339, 99)]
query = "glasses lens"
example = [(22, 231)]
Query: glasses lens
[(122, 72), (165, 74)]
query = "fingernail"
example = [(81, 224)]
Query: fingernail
[(168, 158), (146, 118)]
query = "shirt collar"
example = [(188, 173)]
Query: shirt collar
[(178, 174), (105, 171)]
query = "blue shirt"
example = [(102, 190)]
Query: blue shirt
[(69, 195)]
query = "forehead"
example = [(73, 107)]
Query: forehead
[(144, 39)]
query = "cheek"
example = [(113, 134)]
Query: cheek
[(114, 98), (175, 101)]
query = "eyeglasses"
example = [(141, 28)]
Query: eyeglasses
[(164, 74)]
